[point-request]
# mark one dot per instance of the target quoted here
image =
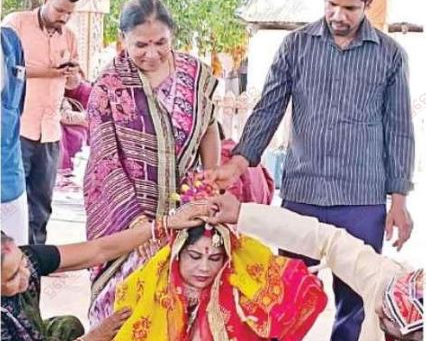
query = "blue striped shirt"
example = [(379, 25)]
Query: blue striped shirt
[(352, 132)]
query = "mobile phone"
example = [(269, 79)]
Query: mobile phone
[(67, 64)]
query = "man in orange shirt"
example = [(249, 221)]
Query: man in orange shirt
[(50, 50)]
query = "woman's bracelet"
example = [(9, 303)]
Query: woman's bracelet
[(138, 221)]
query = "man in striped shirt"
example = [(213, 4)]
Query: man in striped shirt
[(352, 134)]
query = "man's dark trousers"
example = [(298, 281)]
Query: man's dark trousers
[(41, 165), (364, 222)]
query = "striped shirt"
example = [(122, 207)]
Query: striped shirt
[(352, 133)]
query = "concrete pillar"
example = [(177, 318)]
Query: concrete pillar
[(87, 23)]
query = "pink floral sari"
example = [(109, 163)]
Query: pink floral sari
[(142, 141)]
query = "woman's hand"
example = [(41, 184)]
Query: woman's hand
[(109, 327), (189, 215)]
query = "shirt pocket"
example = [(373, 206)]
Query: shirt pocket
[(363, 99)]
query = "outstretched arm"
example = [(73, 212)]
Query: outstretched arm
[(348, 257), (98, 251)]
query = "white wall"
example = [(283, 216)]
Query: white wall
[(262, 48)]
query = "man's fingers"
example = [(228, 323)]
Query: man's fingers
[(405, 234), (196, 222), (212, 220), (210, 176), (217, 218), (389, 227), (214, 203)]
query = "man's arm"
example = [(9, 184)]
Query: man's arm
[(33, 71), (349, 258), (263, 122), (268, 113), (399, 148)]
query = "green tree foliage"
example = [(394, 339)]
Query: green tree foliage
[(9, 6), (212, 23), (111, 22)]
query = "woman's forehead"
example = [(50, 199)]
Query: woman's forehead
[(150, 31), (204, 242)]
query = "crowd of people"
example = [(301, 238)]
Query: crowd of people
[(204, 270)]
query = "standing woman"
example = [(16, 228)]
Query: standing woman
[(150, 120)]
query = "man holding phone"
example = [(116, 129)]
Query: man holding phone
[(51, 58)]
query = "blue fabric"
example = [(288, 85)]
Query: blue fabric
[(274, 163), (364, 222), (12, 100), (352, 139)]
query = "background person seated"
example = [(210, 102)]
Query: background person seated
[(74, 128)]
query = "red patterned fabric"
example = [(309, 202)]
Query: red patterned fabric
[(403, 302), (254, 185), (255, 296)]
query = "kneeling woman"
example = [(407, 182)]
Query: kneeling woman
[(210, 285), (23, 267)]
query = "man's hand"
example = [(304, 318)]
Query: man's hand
[(63, 72), (399, 217), (109, 327), (224, 209), (189, 215), (225, 175)]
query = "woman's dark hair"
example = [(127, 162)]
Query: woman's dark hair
[(194, 234), (137, 12)]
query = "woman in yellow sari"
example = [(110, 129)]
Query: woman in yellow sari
[(209, 284)]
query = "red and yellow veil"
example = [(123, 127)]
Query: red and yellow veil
[(256, 295)]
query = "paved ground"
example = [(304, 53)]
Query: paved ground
[(69, 293)]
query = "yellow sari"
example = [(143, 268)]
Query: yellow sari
[(255, 296)]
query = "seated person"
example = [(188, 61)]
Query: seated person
[(22, 268), (209, 285), (74, 127), (255, 184), (389, 288)]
